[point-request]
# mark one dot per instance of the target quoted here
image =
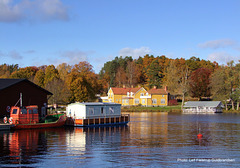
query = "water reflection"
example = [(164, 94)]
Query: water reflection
[(21, 146), (150, 139), (81, 140)]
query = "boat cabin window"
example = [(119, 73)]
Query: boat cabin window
[(91, 110), (101, 110), (35, 111), (14, 111), (111, 110), (23, 111)]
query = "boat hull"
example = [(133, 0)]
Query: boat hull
[(94, 122), (59, 123)]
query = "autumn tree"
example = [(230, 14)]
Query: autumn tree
[(177, 78), (83, 83), (131, 72), (25, 73), (233, 82), (50, 73), (193, 63), (121, 77), (59, 90), (140, 71), (154, 74), (39, 78), (63, 71), (219, 87), (7, 70), (199, 83)]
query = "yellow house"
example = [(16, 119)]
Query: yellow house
[(138, 96), (159, 97), (125, 96)]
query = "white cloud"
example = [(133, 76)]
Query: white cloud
[(134, 52), (38, 10), (222, 57), (74, 57), (71, 57), (12, 54), (9, 12), (216, 44)]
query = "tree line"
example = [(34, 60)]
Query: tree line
[(185, 78)]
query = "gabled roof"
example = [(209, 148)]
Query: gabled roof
[(123, 91), (202, 104), (157, 91), (6, 83)]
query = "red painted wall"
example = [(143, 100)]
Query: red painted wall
[(31, 95)]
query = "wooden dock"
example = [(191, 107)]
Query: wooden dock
[(5, 127)]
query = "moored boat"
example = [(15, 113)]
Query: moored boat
[(28, 118), (95, 114)]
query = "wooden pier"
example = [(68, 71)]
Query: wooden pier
[(5, 127)]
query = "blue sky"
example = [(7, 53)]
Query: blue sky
[(44, 32)]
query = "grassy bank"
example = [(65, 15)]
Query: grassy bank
[(162, 109), (151, 109), (231, 111)]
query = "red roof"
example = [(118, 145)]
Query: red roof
[(123, 91), (158, 91)]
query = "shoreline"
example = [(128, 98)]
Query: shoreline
[(162, 109)]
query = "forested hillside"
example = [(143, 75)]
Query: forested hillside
[(184, 77)]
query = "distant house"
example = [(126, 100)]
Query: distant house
[(32, 94), (203, 107), (159, 97), (137, 96), (125, 96)]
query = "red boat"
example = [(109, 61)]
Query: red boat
[(28, 118)]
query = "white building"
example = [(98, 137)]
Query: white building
[(93, 110), (203, 107)]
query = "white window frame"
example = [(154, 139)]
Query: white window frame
[(111, 110), (91, 110), (154, 101), (136, 101)]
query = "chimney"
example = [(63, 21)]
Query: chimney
[(124, 86), (131, 86), (165, 88), (155, 87)]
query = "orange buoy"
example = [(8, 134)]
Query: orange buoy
[(199, 136)]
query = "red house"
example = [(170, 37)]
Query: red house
[(32, 94)]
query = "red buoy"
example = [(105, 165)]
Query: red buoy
[(199, 136)]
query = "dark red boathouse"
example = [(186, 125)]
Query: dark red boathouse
[(32, 94)]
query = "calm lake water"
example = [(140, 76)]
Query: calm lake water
[(149, 140)]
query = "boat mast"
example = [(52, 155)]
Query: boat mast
[(20, 99)]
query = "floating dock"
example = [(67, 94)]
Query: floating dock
[(95, 114), (5, 127)]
